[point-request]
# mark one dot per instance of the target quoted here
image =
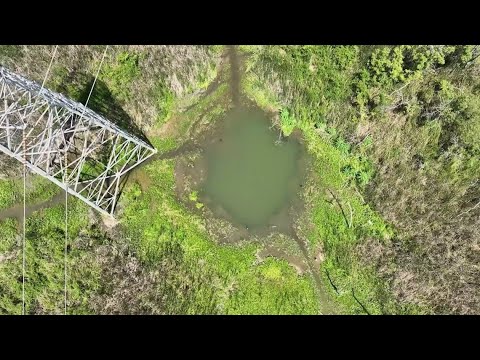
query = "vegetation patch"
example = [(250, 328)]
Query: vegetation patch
[(391, 199)]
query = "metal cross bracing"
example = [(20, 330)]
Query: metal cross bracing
[(66, 142)]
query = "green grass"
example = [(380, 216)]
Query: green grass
[(154, 218), (10, 53), (38, 189), (228, 279), (41, 189), (44, 276), (10, 193), (8, 233), (71, 84), (44, 253), (402, 117), (164, 101), (342, 225), (339, 224), (120, 73), (364, 112)]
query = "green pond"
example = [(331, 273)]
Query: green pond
[(252, 175)]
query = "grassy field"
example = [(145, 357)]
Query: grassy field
[(391, 201), (390, 127), (160, 260), (341, 219)]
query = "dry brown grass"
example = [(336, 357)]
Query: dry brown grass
[(179, 66), (436, 255)]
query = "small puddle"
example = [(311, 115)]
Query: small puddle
[(247, 173), (252, 175), (16, 211)]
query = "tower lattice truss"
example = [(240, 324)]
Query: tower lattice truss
[(66, 142)]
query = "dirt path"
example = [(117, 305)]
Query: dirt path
[(234, 74), (326, 307)]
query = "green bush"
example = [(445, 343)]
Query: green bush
[(120, 74), (164, 101), (10, 52), (287, 122)]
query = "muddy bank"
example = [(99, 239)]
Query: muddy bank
[(191, 174), (16, 211)]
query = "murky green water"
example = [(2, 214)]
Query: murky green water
[(251, 175)]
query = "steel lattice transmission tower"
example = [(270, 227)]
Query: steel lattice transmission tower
[(66, 142)]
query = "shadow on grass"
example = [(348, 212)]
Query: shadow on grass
[(104, 103)]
